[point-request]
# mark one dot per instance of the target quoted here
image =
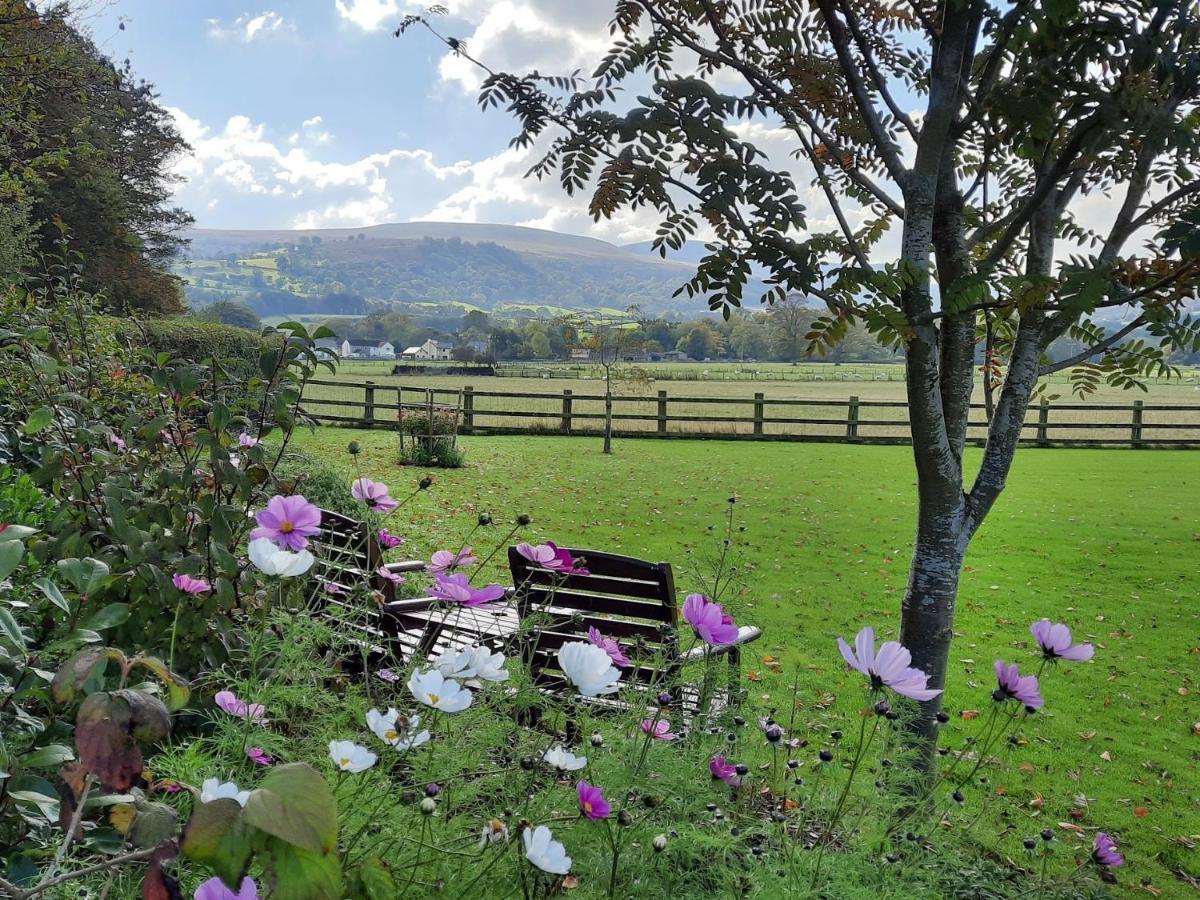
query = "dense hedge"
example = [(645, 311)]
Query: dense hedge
[(197, 341)]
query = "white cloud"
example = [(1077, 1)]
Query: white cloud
[(247, 27), (368, 14), (311, 132)]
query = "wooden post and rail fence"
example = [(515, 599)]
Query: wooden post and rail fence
[(853, 420)]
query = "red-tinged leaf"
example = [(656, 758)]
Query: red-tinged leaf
[(1141, 812), (158, 884), (969, 714), (104, 739)]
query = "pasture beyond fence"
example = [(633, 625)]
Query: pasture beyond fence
[(665, 415)]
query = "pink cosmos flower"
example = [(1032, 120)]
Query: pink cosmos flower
[(710, 620), (1055, 641), (387, 675), (117, 442), (288, 521), (190, 585), (551, 556), (259, 756), (445, 561), (1104, 851), (722, 769), (388, 575), (456, 589), (215, 889), (387, 540), (1014, 686), (887, 668), (229, 702), (374, 494), (592, 803), (660, 730), (332, 587), (609, 646), (245, 440)]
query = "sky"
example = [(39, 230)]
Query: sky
[(310, 113)]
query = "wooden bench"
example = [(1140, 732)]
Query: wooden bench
[(630, 600)]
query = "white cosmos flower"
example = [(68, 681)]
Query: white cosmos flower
[(589, 668), (494, 832), (561, 758), (473, 662), (351, 757), (270, 560), (544, 852), (384, 726), (434, 689), (212, 789)]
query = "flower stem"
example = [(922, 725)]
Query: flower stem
[(837, 812)]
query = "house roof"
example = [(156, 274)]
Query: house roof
[(413, 350), (357, 342)]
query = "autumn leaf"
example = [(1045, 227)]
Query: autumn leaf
[(1141, 812), (969, 714)]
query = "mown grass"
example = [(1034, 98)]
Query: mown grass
[(1106, 541)]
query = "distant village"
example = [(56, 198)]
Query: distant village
[(478, 351)]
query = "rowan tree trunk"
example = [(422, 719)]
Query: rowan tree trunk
[(608, 410)]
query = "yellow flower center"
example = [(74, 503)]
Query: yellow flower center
[(390, 735), (434, 699), (345, 761), (587, 806), (287, 528)]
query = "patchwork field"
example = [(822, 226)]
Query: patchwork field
[(1105, 540)]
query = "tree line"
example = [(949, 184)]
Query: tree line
[(84, 154)]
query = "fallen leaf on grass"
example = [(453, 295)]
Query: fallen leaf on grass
[(1087, 735), (569, 882), (1037, 802), (1141, 812), (969, 714), (1106, 756)]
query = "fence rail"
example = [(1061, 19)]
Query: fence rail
[(367, 404)]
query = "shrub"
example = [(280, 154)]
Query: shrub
[(195, 340), (319, 482), (432, 452)]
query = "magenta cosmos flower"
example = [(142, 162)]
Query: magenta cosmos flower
[(117, 442), (456, 589), (591, 801), (1014, 686), (723, 769), (288, 521), (190, 585), (259, 756), (1055, 641), (887, 668), (1104, 851), (445, 561), (660, 730), (215, 889), (387, 540), (229, 702), (388, 575), (712, 623), (609, 646), (374, 494)]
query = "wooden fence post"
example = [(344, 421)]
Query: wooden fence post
[(852, 420), (1136, 430), (468, 409), (758, 413), (369, 402), (1043, 421), (565, 426), (662, 412)]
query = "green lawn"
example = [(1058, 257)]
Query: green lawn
[(1107, 541)]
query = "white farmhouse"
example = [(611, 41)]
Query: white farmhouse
[(360, 349), (431, 349)]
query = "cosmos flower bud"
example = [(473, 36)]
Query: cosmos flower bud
[(425, 483), (428, 806), (355, 448), (485, 518), (432, 790), (524, 519), (660, 843), (597, 739), (826, 755)]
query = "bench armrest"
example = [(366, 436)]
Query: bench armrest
[(408, 565), (746, 634), (412, 605)]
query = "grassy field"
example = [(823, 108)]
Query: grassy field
[(1104, 540), (821, 383)]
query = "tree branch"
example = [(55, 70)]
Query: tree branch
[(884, 145), (877, 77), (1110, 341)]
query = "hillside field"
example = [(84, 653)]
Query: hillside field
[(1105, 540)]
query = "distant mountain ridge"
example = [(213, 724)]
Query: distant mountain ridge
[(484, 266)]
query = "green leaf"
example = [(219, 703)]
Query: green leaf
[(48, 757), (109, 617), (85, 575), (155, 823), (84, 667), (301, 875), (15, 532), (38, 420), (10, 629), (10, 557), (53, 594), (373, 880), (178, 690), (217, 837), (295, 805)]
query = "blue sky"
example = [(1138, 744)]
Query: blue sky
[(309, 113)]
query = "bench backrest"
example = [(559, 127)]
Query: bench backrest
[(630, 600)]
